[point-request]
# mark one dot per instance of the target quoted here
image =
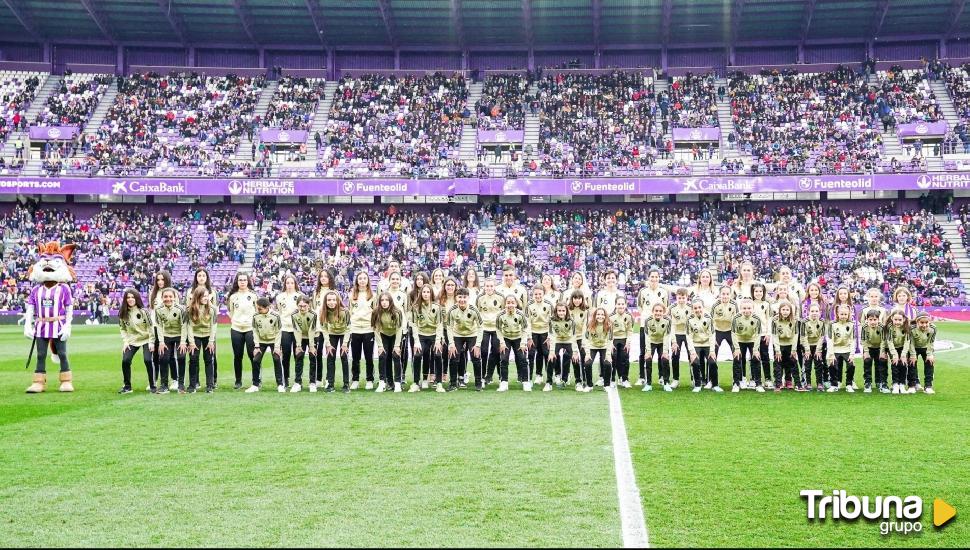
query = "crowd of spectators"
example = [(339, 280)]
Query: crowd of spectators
[(599, 124), (75, 101), (859, 250), (805, 123), (907, 95), (692, 101), (294, 103), (118, 248), (182, 123), (401, 126), (17, 91), (347, 242), (503, 101)]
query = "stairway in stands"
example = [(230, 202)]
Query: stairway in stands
[(468, 150), (244, 151), (726, 122), (320, 120), (251, 243), (960, 256)]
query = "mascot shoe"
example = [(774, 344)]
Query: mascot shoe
[(67, 384), (40, 383)]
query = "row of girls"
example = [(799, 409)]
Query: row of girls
[(439, 324)]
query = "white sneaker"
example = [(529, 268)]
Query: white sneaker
[(295, 388), (579, 387), (557, 380), (867, 390), (369, 385), (896, 390), (854, 386), (674, 384), (744, 382), (415, 388), (439, 388), (281, 389), (647, 387), (850, 389), (911, 390), (929, 390), (380, 387), (526, 386), (697, 389), (466, 378), (397, 387), (626, 384), (707, 386), (424, 384), (547, 387), (252, 389), (639, 382), (173, 385), (668, 387), (833, 389), (313, 388), (503, 386), (354, 385), (539, 380), (919, 387), (599, 381), (759, 389), (717, 389), (735, 389)]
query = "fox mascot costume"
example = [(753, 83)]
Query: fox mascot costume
[(50, 311)]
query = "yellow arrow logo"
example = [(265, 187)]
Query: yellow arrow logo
[(942, 512)]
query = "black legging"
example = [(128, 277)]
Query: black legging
[(539, 353), (464, 346), (747, 349), (241, 341), (170, 361), (817, 362), (202, 347), (562, 358), (126, 358), (258, 363), (490, 354), (663, 365), (316, 361), (606, 368), (785, 367), (424, 362), (843, 364), (302, 350), (702, 359), (362, 344), (288, 344), (765, 351), (521, 363), (675, 356), (621, 360), (721, 336), (882, 368), (928, 367), (335, 342), (389, 364)]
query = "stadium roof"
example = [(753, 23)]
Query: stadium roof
[(461, 24)]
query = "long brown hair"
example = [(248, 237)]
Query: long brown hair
[(591, 325), (443, 298), (375, 316), (415, 294), (332, 281), (197, 309), (167, 277), (123, 312), (325, 311), (355, 291)]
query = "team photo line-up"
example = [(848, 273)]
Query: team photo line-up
[(778, 333)]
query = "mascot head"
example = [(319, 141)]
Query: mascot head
[(53, 265)]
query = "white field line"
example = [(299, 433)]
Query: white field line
[(632, 523), (957, 346)]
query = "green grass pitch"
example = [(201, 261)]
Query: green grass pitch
[(96, 469)]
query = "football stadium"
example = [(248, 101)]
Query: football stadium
[(249, 248)]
